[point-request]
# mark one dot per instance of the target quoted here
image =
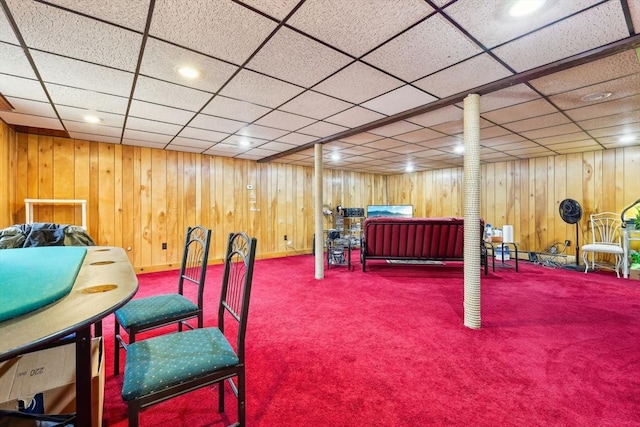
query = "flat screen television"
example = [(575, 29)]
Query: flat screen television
[(390, 210)]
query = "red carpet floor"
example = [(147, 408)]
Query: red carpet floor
[(388, 347)]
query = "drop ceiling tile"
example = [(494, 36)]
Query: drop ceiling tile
[(447, 141), (190, 142), (634, 10), (541, 151), (96, 138), (15, 62), (147, 110), (277, 146), (322, 129), (315, 105), (278, 10), (538, 122), (225, 150), (619, 88), (79, 74), (609, 68), (295, 58), (77, 115), (583, 145), (463, 76), (399, 100), (616, 130), (410, 57), (559, 139), (420, 135), (182, 148), (492, 132), (145, 125), (89, 100), (143, 143), (218, 124), (539, 107), (490, 23), (158, 138), (263, 132), (202, 134), (450, 128), (441, 115), (22, 88), (30, 121), (33, 108), (282, 120), (590, 29), (384, 144), (296, 138), (626, 117), (503, 140), (6, 32), (224, 30), (361, 138), (233, 109), (255, 154), (340, 23), (357, 83), (379, 154), (171, 95), (605, 108), (551, 131), (258, 89), (47, 28), (513, 95), (94, 129), (617, 141), (126, 13), (358, 150), (395, 128), (406, 149), (354, 117), (162, 60)]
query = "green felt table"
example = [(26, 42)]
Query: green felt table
[(31, 278)]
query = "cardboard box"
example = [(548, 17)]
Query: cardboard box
[(634, 274), (45, 381)]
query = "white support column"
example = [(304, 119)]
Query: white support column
[(472, 265), (319, 218)]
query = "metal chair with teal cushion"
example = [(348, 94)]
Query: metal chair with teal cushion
[(170, 365), (144, 314)]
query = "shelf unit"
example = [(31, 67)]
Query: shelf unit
[(350, 227), (29, 203)]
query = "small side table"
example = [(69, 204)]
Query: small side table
[(339, 252), (492, 247)]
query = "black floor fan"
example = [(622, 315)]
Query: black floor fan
[(571, 213)]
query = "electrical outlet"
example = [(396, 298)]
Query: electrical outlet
[(567, 243), (285, 238), (164, 245)]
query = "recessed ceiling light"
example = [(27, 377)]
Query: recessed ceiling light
[(596, 96), (189, 72), (92, 119), (335, 156), (244, 143), (409, 168), (458, 149), (522, 8), (626, 139)]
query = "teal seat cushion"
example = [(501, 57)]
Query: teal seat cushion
[(157, 363), (143, 311)]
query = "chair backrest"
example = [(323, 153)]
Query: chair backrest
[(236, 286), (195, 259), (605, 228)]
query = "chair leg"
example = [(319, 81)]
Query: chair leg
[(133, 410), (241, 399), (221, 396), (116, 349)]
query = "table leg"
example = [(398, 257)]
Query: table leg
[(83, 376)]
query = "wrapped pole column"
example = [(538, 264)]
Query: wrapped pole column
[(319, 233), (472, 255)]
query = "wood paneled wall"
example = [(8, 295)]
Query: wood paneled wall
[(139, 198), (527, 193)]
